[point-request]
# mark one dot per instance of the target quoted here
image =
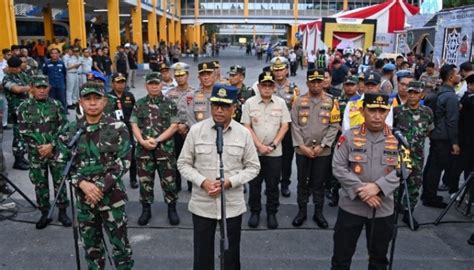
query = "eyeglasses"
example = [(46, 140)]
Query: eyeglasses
[(223, 106)]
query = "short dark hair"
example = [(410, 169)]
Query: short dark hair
[(466, 66), (379, 63), (54, 49), (336, 61), (431, 65), (398, 57), (446, 71), (5, 51)]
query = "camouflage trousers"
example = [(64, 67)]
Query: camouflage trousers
[(413, 183), (39, 172), (166, 168), (114, 222)]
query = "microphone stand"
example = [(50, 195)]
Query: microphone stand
[(75, 227), (224, 241), (403, 181)]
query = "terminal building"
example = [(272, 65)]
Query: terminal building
[(171, 21)]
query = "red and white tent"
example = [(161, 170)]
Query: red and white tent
[(391, 16)]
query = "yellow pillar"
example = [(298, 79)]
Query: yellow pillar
[(196, 9), (197, 35), (203, 34), (190, 35), (294, 27), (48, 23), (172, 36), (246, 8), (152, 29), (114, 25), (7, 20), (137, 29), (78, 28), (254, 33), (163, 23), (178, 33), (345, 5)]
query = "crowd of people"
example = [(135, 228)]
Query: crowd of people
[(340, 132)]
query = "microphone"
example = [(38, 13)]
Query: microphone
[(220, 137), (401, 139), (76, 137)]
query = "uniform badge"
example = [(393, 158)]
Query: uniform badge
[(189, 99), (358, 169), (304, 120), (324, 120), (199, 116), (341, 141)]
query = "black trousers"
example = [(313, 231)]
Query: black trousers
[(287, 159), (204, 234), (439, 159), (311, 175), (346, 234), (178, 146), (270, 172)]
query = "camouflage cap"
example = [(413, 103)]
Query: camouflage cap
[(352, 80), (153, 77), (92, 88), (39, 80), (417, 86), (237, 69)]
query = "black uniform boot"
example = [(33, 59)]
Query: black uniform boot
[(63, 218), (300, 217), (254, 220), (406, 220), (43, 221), (319, 218), (146, 214), (333, 202), (172, 214), (21, 163)]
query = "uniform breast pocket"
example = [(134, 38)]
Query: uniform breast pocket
[(256, 118), (234, 153), (303, 117), (324, 116), (389, 162), (275, 117), (358, 162)]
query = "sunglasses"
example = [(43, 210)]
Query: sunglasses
[(223, 106)]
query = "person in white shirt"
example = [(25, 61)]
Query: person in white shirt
[(87, 62)]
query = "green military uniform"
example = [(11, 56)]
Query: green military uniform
[(39, 122), (103, 157), (416, 125), (243, 93), (14, 101), (153, 115)]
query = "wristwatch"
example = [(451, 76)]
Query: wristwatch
[(272, 145)]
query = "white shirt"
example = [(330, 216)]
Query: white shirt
[(311, 58)]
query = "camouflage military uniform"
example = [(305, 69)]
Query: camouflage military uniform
[(153, 115), (415, 125), (39, 123), (242, 96), (103, 157), (14, 101)]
